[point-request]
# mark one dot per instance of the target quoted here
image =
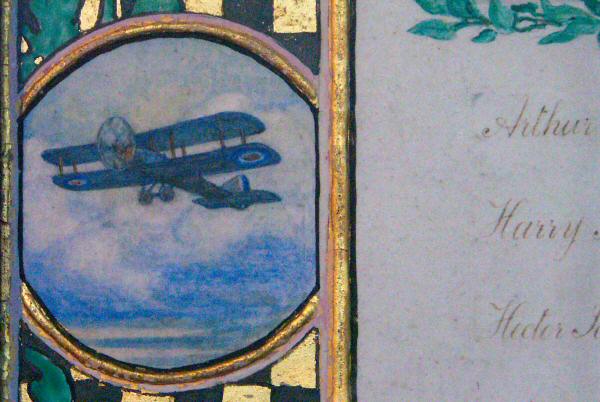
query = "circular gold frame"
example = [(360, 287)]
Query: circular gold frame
[(35, 313)]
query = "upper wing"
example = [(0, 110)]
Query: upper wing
[(225, 125), (101, 180), (70, 155)]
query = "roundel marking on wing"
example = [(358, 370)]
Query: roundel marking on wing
[(252, 157), (77, 182)]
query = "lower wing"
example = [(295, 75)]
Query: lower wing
[(101, 180), (185, 172)]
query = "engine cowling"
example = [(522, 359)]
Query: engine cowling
[(116, 143)]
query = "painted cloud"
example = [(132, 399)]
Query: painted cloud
[(101, 260)]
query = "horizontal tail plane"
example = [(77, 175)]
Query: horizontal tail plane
[(240, 195)]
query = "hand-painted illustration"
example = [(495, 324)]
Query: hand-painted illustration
[(137, 160), (569, 21), (167, 202), (149, 283)]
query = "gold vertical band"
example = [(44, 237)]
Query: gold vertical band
[(339, 225), (6, 352)]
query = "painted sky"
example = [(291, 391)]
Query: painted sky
[(172, 284)]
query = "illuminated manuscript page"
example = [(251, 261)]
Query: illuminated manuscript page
[(169, 172)]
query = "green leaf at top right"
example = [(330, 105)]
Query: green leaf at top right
[(575, 28), (593, 6), (562, 13)]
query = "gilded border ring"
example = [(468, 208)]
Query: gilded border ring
[(36, 315)]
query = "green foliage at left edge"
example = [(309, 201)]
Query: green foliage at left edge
[(48, 25), (53, 385), (57, 21), (436, 29)]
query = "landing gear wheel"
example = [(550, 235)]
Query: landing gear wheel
[(145, 197), (166, 193)]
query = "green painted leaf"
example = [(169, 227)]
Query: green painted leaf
[(157, 6), (436, 29), (463, 8), (53, 385), (558, 37), (501, 16), (485, 36), (109, 12), (585, 25), (561, 14), (577, 27), (127, 8), (530, 8), (56, 24), (593, 6), (529, 26), (433, 6)]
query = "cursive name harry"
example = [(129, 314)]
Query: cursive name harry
[(509, 225)]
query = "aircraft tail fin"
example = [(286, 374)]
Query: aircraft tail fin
[(237, 184)]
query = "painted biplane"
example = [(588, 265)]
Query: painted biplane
[(139, 160)]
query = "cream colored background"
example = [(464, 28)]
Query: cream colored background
[(426, 271)]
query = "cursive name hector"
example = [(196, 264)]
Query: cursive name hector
[(546, 121), (512, 325)]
